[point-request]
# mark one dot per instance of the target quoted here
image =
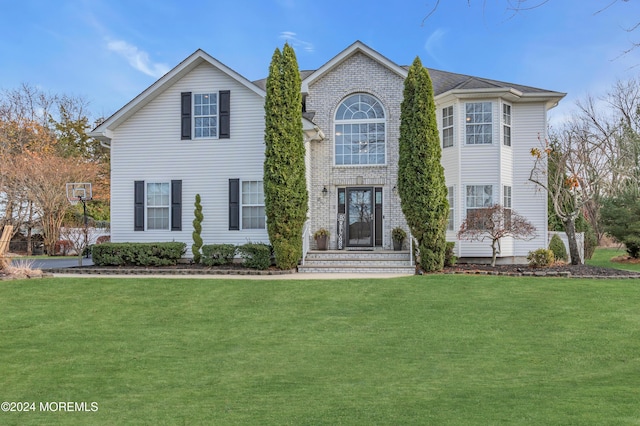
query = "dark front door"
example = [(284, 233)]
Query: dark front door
[(360, 217)]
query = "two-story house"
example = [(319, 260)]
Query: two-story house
[(200, 130)]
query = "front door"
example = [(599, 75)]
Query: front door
[(360, 217)]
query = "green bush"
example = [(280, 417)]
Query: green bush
[(558, 248), (218, 254), (632, 243), (540, 258), (256, 255), (449, 258), (138, 254), (621, 219)]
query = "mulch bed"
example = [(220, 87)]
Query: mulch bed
[(560, 270)]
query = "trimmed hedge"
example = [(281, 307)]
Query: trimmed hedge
[(138, 254), (256, 255), (218, 254)]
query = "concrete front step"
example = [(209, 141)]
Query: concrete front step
[(370, 269), (351, 261), (356, 261), (348, 254)]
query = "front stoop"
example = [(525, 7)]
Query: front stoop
[(353, 261)]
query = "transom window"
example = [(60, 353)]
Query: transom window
[(205, 115), (360, 136), (253, 214), (158, 205), (506, 124), (479, 123), (447, 127)]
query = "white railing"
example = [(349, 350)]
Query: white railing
[(411, 263), (305, 240)]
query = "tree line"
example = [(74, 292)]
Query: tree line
[(43, 146)]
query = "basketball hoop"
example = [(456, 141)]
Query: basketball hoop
[(77, 192), (80, 192)]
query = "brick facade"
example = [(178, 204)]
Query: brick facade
[(356, 74)]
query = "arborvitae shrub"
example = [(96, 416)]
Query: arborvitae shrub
[(558, 248), (449, 258)]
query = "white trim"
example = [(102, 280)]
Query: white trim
[(194, 116), (147, 207), (384, 121), (482, 123), (242, 205)]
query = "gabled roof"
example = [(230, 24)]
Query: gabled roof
[(444, 83), (357, 47), (103, 131)]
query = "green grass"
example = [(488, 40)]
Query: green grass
[(438, 349), (603, 256)]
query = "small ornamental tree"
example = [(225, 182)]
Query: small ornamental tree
[(285, 187), (421, 183), (197, 230), (494, 223)]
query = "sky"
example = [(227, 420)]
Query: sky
[(108, 51)]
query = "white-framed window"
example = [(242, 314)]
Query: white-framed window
[(478, 197), (506, 203), (506, 124), (252, 196), (479, 123), (451, 199), (205, 115), (158, 205), (447, 126), (360, 131)]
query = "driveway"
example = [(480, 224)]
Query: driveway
[(57, 262)]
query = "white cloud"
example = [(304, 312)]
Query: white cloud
[(138, 59), (291, 38)]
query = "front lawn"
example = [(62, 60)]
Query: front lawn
[(436, 349), (603, 256)]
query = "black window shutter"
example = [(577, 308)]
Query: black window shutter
[(186, 114), (234, 204), (138, 205), (176, 205), (225, 114)]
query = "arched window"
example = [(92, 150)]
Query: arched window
[(360, 131)]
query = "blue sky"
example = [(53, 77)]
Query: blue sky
[(108, 51)]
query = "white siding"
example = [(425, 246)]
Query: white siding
[(529, 123), (148, 147), (500, 165)]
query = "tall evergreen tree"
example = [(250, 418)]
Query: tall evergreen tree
[(285, 190), (421, 184)]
